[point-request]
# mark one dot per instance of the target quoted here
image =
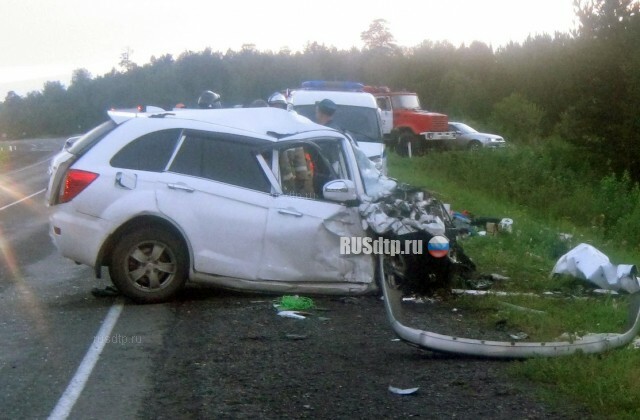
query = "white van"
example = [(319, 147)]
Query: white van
[(357, 113)]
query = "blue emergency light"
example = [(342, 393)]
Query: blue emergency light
[(328, 85)]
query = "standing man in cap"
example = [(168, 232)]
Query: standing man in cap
[(324, 113)]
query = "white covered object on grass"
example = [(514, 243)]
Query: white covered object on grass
[(586, 262)]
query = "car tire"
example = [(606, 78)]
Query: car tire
[(149, 265), (474, 145), (407, 138)]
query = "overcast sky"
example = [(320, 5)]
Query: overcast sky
[(47, 39)]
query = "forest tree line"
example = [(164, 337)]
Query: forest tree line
[(582, 87)]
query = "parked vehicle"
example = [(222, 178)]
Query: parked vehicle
[(255, 199), (408, 128), (470, 138), (357, 113)]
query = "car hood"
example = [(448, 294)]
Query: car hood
[(484, 136)]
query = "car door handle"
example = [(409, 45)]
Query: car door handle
[(290, 212), (182, 187)]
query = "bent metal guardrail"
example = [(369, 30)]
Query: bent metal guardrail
[(596, 343)]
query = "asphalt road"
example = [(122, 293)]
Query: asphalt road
[(48, 317), (208, 354)]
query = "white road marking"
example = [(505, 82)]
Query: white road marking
[(23, 199), (79, 380), (15, 171)]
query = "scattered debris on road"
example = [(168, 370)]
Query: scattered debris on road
[(293, 314), (108, 291), (295, 303), (401, 391), (521, 308), (519, 336)]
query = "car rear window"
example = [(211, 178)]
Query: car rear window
[(221, 158), (87, 141), (150, 152)]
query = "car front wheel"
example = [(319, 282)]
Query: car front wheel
[(149, 265), (474, 145)]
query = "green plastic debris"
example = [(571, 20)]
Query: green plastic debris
[(295, 303)]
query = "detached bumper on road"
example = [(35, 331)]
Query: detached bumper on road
[(596, 343)]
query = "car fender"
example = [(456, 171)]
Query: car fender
[(131, 211)]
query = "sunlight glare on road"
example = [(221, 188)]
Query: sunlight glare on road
[(12, 192), (29, 302), (8, 257)]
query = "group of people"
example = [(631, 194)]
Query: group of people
[(325, 109)]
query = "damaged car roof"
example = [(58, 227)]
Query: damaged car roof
[(268, 123)]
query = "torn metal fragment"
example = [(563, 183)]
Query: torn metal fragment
[(587, 263), (401, 391), (291, 314)]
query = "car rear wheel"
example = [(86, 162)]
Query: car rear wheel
[(149, 265)]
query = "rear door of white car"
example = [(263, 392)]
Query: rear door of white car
[(215, 190)]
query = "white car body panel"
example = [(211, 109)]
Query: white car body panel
[(304, 242), (81, 235), (224, 223)]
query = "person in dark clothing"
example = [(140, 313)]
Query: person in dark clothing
[(325, 109), (209, 100)]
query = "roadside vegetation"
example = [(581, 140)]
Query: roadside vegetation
[(546, 190)]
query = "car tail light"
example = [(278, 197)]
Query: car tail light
[(74, 183)]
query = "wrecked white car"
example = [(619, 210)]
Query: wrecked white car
[(252, 199)]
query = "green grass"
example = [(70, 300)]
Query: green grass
[(607, 384)]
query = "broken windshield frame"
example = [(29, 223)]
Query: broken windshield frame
[(375, 183)]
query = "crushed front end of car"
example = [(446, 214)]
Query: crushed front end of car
[(410, 214), (416, 219)]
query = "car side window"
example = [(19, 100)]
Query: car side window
[(220, 159), (150, 152), (383, 104), (304, 170)]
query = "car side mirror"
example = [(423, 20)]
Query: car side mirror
[(340, 190)]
